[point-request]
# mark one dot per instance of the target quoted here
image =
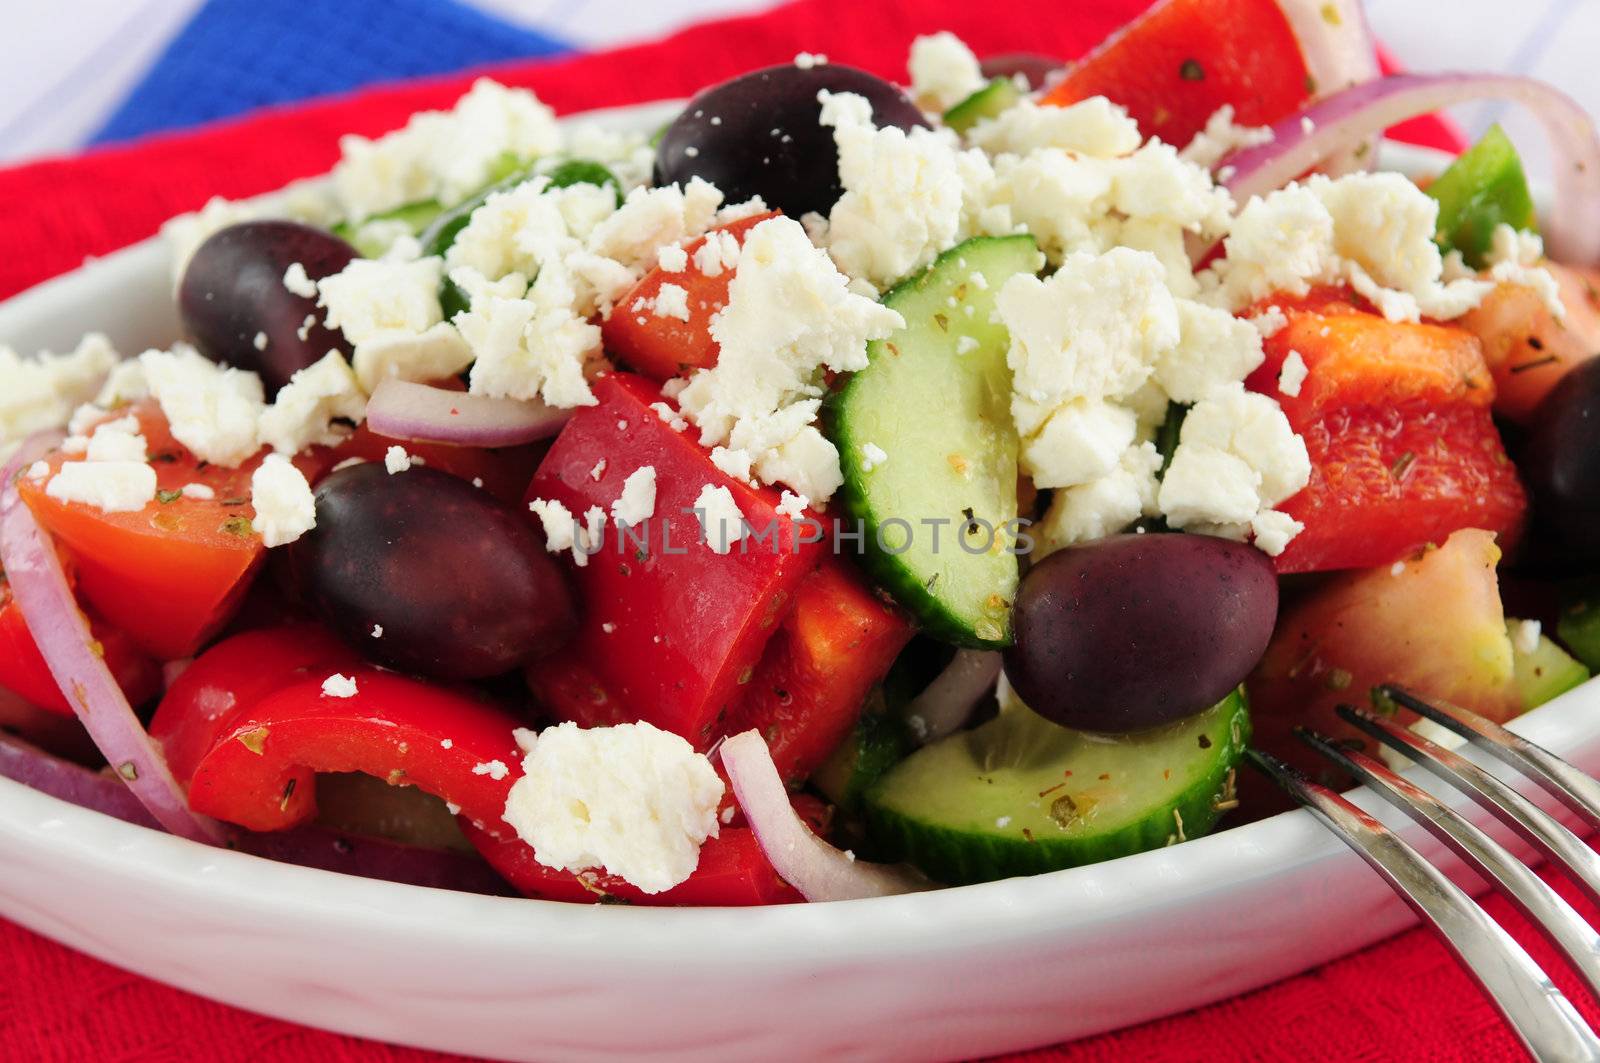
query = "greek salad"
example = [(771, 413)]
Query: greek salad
[(850, 489)]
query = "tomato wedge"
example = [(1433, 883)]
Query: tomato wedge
[(662, 347), (169, 575), (1176, 64)]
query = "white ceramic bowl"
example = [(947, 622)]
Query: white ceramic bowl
[(950, 974)]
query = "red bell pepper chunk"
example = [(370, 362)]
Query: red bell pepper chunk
[(807, 693), (1396, 419), (503, 472), (24, 672), (1176, 64), (671, 629), (663, 347), (260, 771)]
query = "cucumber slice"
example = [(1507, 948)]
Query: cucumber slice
[(936, 399), (1482, 189), (416, 216), (1546, 673), (998, 95), (1579, 630), (1020, 795)]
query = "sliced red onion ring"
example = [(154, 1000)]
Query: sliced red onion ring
[(948, 701), (818, 870), (1342, 121), (1337, 45), (421, 412), (62, 634), (310, 846)]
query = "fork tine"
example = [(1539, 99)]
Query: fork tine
[(1543, 906), (1575, 789), (1541, 1015), (1541, 830)]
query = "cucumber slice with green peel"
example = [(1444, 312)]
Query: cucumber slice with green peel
[(998, 95), (933, 406), (415, 216), (1579, 630), (1546, 673), (1484, 188), (1020, 795)]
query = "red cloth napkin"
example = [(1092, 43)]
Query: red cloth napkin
[(1402, 999)]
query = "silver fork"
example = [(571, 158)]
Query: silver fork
[(1541, 1015)]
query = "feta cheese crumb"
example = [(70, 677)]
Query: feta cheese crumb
[(299, 282), (1270, 321), (631, 799), (284, 506), (212, 409), (1525, 636), (447, 743), (943, 71), (1221, 138), (810, 60), (200, 492), (1273, 530), (41, 393), (669, 416), (260, 342), (608, 627), (377, 633), (672, 301), (1236, 456), (872, 456), (637, 503), (598, 471), (672, 259), (110, 486), (1293, 374), (792, 505), (339, 686), (303, 413), (495, 769), (396, 460), (720, 519), (38, 471)]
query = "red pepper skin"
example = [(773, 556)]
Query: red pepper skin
[(665, 347), (24, 673), (672, 631), (833, 646), (733, 871), (259, 772), (231, 677)]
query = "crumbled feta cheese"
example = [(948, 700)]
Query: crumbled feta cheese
[(377, 633), (672, 301), (631, 799), (284, 506), (1106, 505), (1095, 128), (608, 628), (119, 440), (1525, 636), (872, 456), (339, 686), (721, 522), (669, 416), (212, 409), (637, 503), (903, 193), (810, 60), (655, 217), (110, 486), (1080, 442), (672, 259), (38, 470), (1269, 322), (943, 72), (199, 492), (1236, 456), (299, 282), (260, 342), (444, 155), (1273, 530), (1293, 374), (1221, 138), (1514, 257), (562, 531), (1214, 349), (41, 393), (792, 505), (374, 297), (534, 347), (789, 316), (302, 415), (396, 460), (598, 470), (717, 254), (494, 769)]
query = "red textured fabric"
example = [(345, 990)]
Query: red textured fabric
[(1403, 999)]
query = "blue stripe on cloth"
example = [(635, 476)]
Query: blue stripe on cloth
[(236, 55)]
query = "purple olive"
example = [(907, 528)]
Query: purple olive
[(424, 573), (1136, 631), (1561, 461), (237, 309), (1038, 69), (760, 135)]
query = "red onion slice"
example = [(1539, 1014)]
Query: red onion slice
[(405, 410), (948, 701), (1341, 122), (818, 870), (58, 627), (310, 846), (1339, 50)]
